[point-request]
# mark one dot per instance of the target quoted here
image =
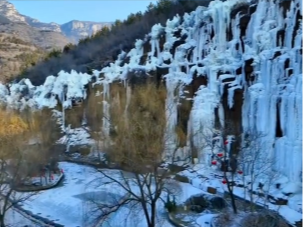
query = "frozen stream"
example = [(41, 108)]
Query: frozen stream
[(67, 204)]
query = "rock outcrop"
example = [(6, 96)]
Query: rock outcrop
[(76, 30)]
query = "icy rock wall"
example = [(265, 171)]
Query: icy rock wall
[(241, 62), (63, 89), (250, 56)]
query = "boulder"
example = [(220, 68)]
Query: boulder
[(175, 168), (198, 200), (211, 190), (218, 203), (281, 202), (196, 208), (81, 149), (181, 178)]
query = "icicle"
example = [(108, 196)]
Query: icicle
[(221, 114), (128, 98), (290, 24), (106, 118), (106, 113)]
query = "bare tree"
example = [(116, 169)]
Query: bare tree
[(257, 165), (138, 141), (219, 142), (241, 154)]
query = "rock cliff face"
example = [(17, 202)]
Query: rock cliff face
[(24, 39), (76, 30), (15, 55), (234, 63), (8, 10), (47, 36), (73, 30), (20, 43)]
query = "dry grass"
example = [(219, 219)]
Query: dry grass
[(264, 218), (139, 133), (226, 218), (94, 109), (11, 125)]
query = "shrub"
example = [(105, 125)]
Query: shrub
[(262, 219)]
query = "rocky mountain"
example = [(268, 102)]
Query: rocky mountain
[(71, 31), (16, 55), (21, 44), (46, 36), (24, 40), (76, 30)]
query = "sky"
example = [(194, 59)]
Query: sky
[(62, 11)]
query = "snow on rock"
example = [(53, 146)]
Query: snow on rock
[(24, 94), (76, 136), (206, 220)]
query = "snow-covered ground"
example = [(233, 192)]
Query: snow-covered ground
[(67, 204), (205, 177), (15, 219), (206, 220), (64, 204)]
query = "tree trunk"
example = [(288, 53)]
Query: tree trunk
[(231, 194), (2, 224), (233, 202), (252, 197), (145, 210), (153, 215)]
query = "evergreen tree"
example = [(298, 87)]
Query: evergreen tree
[(68, 47)]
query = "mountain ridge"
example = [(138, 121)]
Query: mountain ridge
[(74, 34), (76, 29), (20, 35)]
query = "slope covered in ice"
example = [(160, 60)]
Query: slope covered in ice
[(235, 61), (63, 88)]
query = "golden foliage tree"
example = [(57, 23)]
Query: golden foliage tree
[(11, 125), (14, 133), (43, 132)]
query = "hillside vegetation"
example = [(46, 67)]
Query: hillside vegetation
[(16, 56), (99, 50)]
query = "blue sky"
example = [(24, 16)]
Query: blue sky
[(61, 11)]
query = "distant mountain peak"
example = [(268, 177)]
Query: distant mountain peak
[(73, 30), (8, 10), (77, 30)]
